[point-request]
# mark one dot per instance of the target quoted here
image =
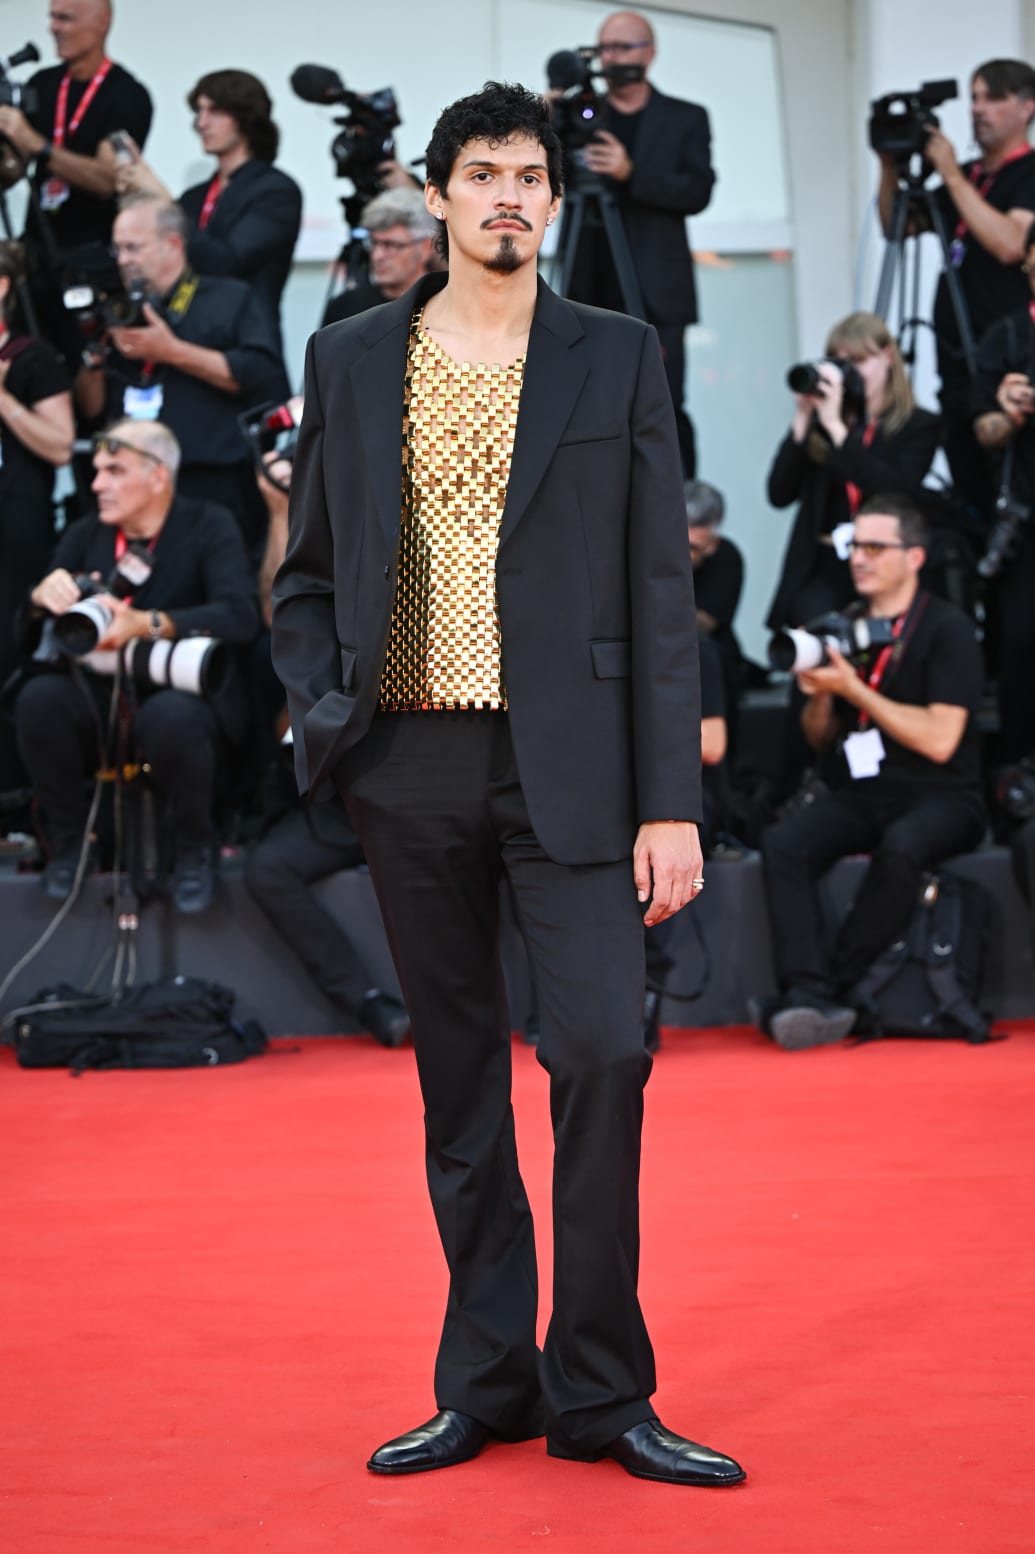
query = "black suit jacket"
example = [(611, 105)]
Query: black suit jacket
[(593, 574), (672, 178)]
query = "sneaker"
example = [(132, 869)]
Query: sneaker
[(385, 1018), (807, 1019)]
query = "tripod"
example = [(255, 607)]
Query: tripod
[(911, 197), (589, 192)]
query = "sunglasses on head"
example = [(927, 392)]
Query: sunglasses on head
[(113, 445)]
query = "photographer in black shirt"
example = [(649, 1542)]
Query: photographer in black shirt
[(206, 352), (80, 103), (987, 206), (245, 220), (905, 781)]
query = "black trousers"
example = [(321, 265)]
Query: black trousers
[(906, 834), (175, 733), (1016, 651), (300, 848), (673, 350), (437, 804)]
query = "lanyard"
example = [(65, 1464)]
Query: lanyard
[(902, 631), (214, 191), (983, 184), (61, 132), (854, 492), (183, 296)]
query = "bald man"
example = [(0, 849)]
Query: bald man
[(80, 102), (655, 153)]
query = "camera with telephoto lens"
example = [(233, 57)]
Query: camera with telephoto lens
[(804, 378), (100, 300), (808, 646), (79, 630), (901, 122), (1011, 517), (575, 114), (366, 126), (12, 93)]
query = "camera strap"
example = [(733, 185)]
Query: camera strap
[(982, 182), (891, 656), (179, 307)]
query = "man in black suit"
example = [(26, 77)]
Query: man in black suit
[(654, 152), (499, 674)]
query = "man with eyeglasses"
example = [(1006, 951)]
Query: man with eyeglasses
[(400, 240), (654, 152), (904, 774), (200, 584)]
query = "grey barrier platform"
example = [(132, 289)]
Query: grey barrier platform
[(725, 945)]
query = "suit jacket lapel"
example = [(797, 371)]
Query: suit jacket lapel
[(554, 375)]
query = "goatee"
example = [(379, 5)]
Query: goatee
[(506, 259)]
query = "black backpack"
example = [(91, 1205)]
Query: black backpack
[(176, 1022), (928, 983)]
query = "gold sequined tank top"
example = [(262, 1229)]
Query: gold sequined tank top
[(459, 420)]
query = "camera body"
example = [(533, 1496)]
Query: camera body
[(273, 428), (804, 378), (14, 95), (366, 126), (78, 631), (901, 121), (576, 113), (807, 647)]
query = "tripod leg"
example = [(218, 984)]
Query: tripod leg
[(628, 283), (959, 303), (893, 252), (568, 241)]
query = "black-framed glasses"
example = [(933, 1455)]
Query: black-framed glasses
[(622, 48), (391, 245), (104, 443), (871, 549)]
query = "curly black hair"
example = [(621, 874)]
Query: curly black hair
[(501, 111), (247, 101)]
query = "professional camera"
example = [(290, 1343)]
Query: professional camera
[(1011, 516), (901, 122), (807, 647), (12, 94), (366, 127), (804, 378), (198, 665), (79, 630), (576, 113), (273, 428), (98, 298)]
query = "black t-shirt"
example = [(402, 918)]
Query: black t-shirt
[(718, 581), (348, 303), (1009, 346), (940, 662), (120, 103), (991, 289), (36, 372)]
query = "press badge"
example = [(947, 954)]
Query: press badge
[(54, 194), (864, 752), (143, 404)]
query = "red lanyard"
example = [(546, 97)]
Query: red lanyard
[(983, 184), (880, 668), (215, 189), (855, 495), (61, 134)]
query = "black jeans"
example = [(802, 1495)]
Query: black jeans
[(300, 848), (175, 733), (906, 833)]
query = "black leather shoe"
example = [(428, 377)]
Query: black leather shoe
[(648, 1450), (194, 884), (385, 1018), (449, 1438)]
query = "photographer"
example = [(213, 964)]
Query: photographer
[(200, 585), (245, 220), (36, 429), (655, 154), (79, 103), (400, 241), (987, 206), (206, 351), (905, 783)]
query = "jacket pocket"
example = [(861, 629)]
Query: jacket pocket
[(348, 668), (612, 658)]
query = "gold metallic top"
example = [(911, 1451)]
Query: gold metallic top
[(459, 420)]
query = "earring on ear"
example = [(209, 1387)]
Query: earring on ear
[(439, 216), (549, 221)]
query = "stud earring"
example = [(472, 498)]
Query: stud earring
[(439, 216)]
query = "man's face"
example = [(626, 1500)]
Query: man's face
[(397, 258), (143, 254), (624, 39), (217, 130), (889, 564), (997, 121), (498, 203), (704, 542), (78, 27), (128, 484)]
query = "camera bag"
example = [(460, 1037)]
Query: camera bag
[(928, 983), (176, 1022)]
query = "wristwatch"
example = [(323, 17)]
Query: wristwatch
[(154, 631), (43, 154)]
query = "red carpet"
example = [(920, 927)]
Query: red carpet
[(221, 1289)]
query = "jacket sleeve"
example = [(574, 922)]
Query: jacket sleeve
[(684, 179), (271, 223), (230, 608), (254, 358), (666, 696), (306, 650), (895, 463), (787, 472)]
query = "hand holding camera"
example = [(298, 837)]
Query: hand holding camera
[(152, 341), (57, 593), (1016, 397)]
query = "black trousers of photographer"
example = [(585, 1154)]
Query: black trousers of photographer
[(907, 832), (1015, 593), (61, 722)]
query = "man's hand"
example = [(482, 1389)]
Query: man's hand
[(605, 154), (1016, 397), (667, 859), (127, 623), (837, 678), (17, 129), (153, 342), (138, 177), (941, 154), (56, 593)]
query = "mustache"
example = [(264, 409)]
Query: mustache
[(491, 221)]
